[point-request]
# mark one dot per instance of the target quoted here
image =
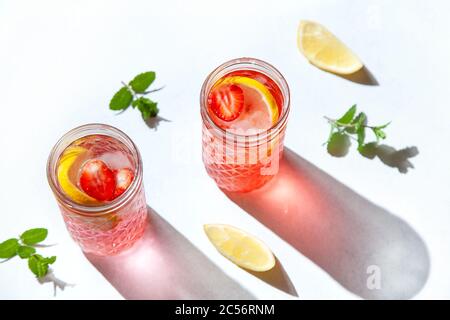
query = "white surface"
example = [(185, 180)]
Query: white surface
[(61, 61)]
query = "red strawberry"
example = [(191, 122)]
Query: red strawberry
[(226, 101), (97, 180), (124, 177)]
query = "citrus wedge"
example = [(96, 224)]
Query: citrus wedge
[(69, 157), (241, 248), (324, 50), (259, 96)]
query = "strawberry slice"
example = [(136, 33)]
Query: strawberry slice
[(226, 101), (97, 180), (123, 177)]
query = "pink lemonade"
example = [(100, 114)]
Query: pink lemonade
[(95, 172), (245, 104)]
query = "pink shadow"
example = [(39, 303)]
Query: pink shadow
[(339, 230), (165, 265)]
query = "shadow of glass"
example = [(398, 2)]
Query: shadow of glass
[(154, 122), (363, 76), (165, 265), (345, 234), (276, 277)]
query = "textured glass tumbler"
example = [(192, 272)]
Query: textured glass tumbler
[(112, 227), (242, 162)]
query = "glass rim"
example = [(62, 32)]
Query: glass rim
[(271, 72), (93, 211)]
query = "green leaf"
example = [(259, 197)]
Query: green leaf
[(50, 260), (142, 81), (361, 135), (332, 130), (348, 116), (8, 248), (380, 134), (25, 252), (339, 144), (34, 236), (36, 265), (121, 100), (358, 121), (39, 265), (384, 125), (148, 108)]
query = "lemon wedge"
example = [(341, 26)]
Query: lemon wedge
[(326, 51), (68, 158), (241, 248), (259, 96)]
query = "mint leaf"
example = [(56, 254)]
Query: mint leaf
[(34, 236), (147, 107), (134, 94), (380, 134), (23, 248), (349, 126), (361, 135), (339, 144), (121, 100), (332, 130), (348, 116), (39, 265), (36, 265), (8, 248), (25, 252), (142, 81), (383, 126), (50, 260), (360, 120)]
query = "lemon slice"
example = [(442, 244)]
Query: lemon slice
[(259, 97), (324, 50), (69, 157), (241, 248)]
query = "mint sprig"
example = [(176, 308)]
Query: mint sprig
[(352, 126), (24, 247), (134, 94)]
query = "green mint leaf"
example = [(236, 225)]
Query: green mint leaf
[(8, 248), (34, 236), (25, 252), (348, 116), (50, 260), (349, 126), (380, 134), (36, 265), (361, 135), (39, 265), (332, 130), (148, 108), (142, 81), (339, 144), (121, 100), (358, 121), (383, 126)]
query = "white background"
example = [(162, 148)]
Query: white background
[(61, 61)]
